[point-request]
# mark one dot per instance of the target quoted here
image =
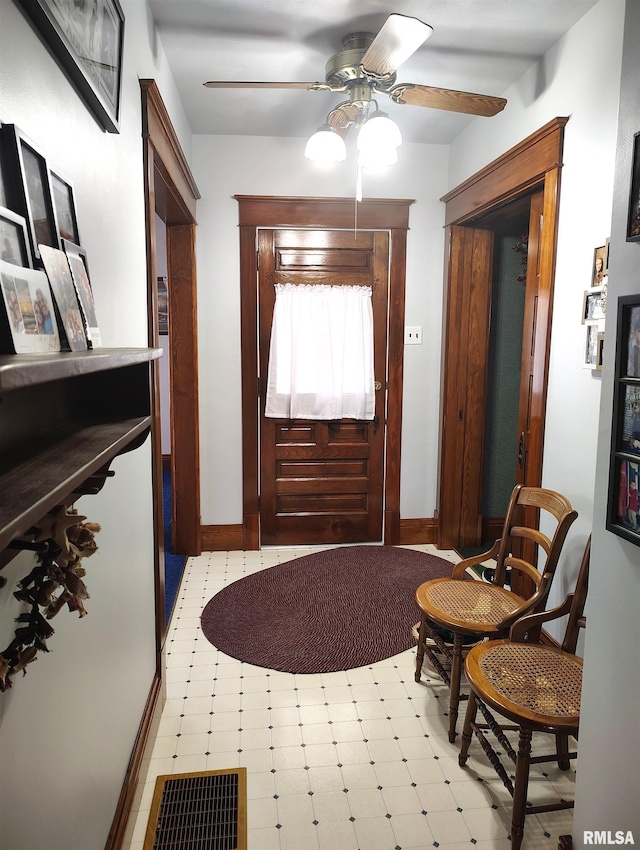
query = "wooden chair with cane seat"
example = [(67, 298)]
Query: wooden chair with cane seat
[(535, 686), (476, 610)]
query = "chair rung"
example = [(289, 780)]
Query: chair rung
[(549, 807), (554, 757)]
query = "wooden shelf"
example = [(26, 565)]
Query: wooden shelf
[(40, 482), (22, 370), (64, 416)]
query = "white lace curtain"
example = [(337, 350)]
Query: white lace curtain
[(321, 354)]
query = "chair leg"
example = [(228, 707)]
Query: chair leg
[(454, 693), (562, 750), (521, 787), (422, 636), (467, 732)]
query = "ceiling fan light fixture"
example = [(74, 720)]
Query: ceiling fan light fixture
[(378, 156), (379, 131), (326, 146)]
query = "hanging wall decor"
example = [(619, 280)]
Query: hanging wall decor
[(623, 517), (87, 39), (61, 540), (633, 220)]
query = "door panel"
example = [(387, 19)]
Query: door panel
[(464, 375), (322, 481)]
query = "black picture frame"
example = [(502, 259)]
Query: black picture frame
[(64, 206), (28, 188), (633, 219), (14, 242), (87, 39), (623, 516)]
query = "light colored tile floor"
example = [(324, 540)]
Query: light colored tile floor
[(350, 760)]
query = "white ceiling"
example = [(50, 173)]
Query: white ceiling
[(480, 46)]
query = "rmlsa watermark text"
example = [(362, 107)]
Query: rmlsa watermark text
[(606, 837)]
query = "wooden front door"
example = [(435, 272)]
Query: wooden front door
[(322, 481)]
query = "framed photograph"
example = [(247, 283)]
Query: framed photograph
[(163, 307), (85, 297), (29, 190), (87, 39), (599, 266), (64, 208), (622, 505), (592, 306), (28, 323), (14, 243), (65, 298), (633, 220), (591, 346)]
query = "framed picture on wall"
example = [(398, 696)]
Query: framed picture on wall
[(599, 266), (592, 307), (592, 331), (14, 242), (633, 220), (87, 39), (624, 470), (163, 307), (28, 188)]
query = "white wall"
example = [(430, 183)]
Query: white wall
[(608, 769), (67, 729), (224, 166), (579, 78)]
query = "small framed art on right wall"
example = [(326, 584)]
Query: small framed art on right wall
[(623, 512), (633, 221)]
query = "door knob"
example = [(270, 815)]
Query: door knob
[(377, 385)]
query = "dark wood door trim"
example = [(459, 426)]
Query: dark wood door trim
[(330, 213), (171, 191), (532, 165), (520, 168)]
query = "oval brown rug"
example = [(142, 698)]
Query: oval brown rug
[(334, 610)]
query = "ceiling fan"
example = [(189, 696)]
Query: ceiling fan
[(366, 66)]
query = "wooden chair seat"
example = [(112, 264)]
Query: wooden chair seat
[(536, 687), (463, 606), (473, 607)]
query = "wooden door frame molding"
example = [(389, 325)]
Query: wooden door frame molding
[(323, 213), (532, 165)]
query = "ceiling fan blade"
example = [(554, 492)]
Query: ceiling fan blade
[(399, 37), (454, 101), (241, 84)]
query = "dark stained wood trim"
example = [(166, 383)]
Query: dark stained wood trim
[(521, 167), (273, 212), (395, 372), (157, 127), (183, 348), (417, 531), (148, 727), (222, 538), (533, 165)]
